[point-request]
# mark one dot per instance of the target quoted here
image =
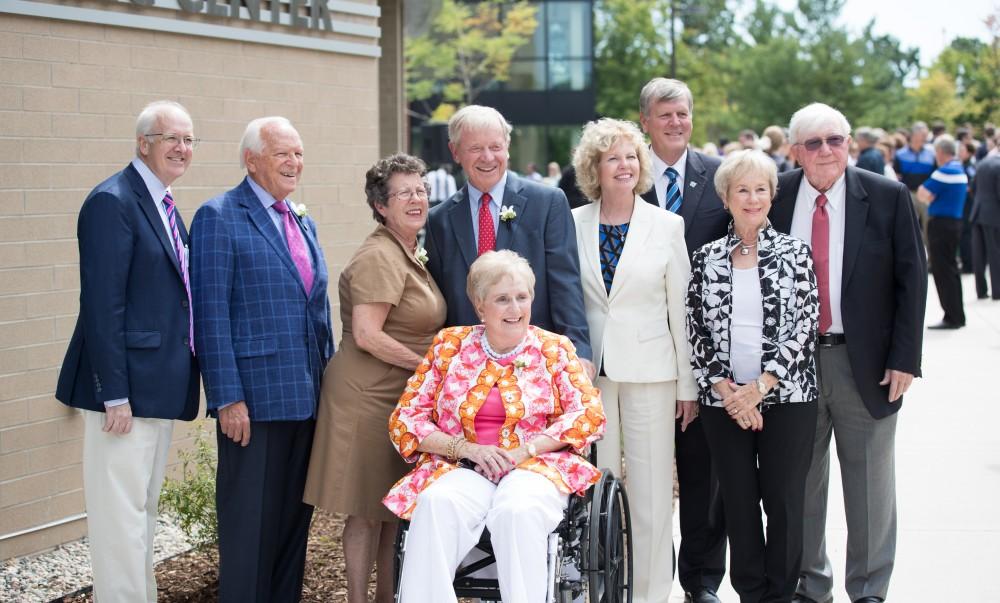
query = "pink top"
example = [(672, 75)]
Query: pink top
[(491, 415)]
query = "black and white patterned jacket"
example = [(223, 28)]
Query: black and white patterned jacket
[(791, 316)]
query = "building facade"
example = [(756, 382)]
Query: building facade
[(73, 77)]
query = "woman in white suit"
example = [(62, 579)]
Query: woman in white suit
[(635, 269)]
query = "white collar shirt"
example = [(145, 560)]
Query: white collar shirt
[(158, 192), (836, 200), (660, 182)]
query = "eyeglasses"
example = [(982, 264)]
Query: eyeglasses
[(813, 144), (174, 139), (407, 194)]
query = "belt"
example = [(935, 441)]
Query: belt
[(829, 340)]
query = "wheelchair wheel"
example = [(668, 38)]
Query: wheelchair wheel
[(609, 543)]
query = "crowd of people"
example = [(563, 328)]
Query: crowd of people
[(731, 313)]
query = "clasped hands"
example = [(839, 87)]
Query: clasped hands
[(742, 403), (494, 462)]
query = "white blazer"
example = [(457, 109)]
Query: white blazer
[(639, 328)]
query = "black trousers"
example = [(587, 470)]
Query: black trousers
[(986, 251), (769, 466), (701, 562), (943, 235), (263, 523)]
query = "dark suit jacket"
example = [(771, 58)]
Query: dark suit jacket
[(884, 281), (986, 206), (260, 336), (543, 233), (131, 337), (705, 218)]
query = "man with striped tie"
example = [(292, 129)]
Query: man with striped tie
[(130, 365), (683, 184)]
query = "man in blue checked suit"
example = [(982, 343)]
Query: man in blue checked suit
[(129, 366), (263, 336)]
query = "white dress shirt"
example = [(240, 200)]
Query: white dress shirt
[(836, 199), (496, 194), (660, 181)]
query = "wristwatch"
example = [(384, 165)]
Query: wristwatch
[(532, 450), (761, 387)]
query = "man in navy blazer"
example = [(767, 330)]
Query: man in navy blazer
[(666, 110), (263, 336), (528, 218), (870, 338), (129, 365)]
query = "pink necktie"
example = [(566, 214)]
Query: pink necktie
[(487, 236), (296, 245), (171, 210), (821, 260)]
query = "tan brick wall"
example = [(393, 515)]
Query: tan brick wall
[(69, 94)]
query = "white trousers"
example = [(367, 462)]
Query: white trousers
[(122, 476), (640, 420), (520, 512)]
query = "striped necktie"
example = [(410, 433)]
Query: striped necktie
[(297, 246), (171, 209), (674, 199)]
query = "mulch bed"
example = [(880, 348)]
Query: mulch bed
[(193, 577)]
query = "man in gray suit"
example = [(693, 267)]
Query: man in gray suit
[(498, 210), (985, 218)]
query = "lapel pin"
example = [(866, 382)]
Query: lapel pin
[(693, 184)]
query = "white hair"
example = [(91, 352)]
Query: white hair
[(151, 114), (252, 140), (476, 117), (811, 119), (945, 143)]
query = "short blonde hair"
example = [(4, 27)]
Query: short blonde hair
[(598, 137), (742, 163), (491, 267), (476, 117)]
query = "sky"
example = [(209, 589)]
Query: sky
[(929, 25)]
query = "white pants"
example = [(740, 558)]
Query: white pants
[(122, 476), (640, 419), (520, 512)]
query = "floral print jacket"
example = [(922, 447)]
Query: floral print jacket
[(791, 316), (545, 391)]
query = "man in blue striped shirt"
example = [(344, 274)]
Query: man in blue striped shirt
[(914, 164), (944, 194)]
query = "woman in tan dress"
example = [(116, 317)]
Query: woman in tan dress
[(391, 309)]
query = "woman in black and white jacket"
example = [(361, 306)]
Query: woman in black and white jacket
[(752, 320)]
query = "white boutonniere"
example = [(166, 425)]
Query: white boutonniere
[(507, 213), (522, 362), (301, 210), (421, 255)]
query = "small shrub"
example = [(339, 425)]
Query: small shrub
[(191, 499)]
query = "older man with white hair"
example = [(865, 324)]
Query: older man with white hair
[(130, 366), (872, 280), (263, 335)]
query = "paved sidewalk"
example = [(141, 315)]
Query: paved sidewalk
[(947, 470)]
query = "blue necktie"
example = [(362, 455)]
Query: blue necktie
[(673, 191)]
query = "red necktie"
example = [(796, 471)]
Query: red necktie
[(487, 236), (821, 260), (296, 245)]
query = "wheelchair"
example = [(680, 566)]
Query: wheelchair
[(590, 552)]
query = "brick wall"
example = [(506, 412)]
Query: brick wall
[(69, 94)]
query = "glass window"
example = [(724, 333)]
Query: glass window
[(536, 46), (569, 74), (569, 29), (527, 75)]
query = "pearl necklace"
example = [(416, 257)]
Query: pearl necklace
[(497, 356)]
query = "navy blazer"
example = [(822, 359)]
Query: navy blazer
[(705, 218), (131, 337), (260, 336), (884, 281), (543, 233)]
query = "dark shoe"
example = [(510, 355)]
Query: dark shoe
[(705, 595), (939, 326), (869, 600)]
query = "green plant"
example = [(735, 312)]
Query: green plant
[(191, 499)]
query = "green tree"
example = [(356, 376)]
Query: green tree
[(468, 47)]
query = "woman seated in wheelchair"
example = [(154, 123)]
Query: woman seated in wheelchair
[(496, 418)]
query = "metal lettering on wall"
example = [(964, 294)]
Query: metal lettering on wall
[(310, 17)]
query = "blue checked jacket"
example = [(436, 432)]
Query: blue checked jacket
[(259, 336)]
